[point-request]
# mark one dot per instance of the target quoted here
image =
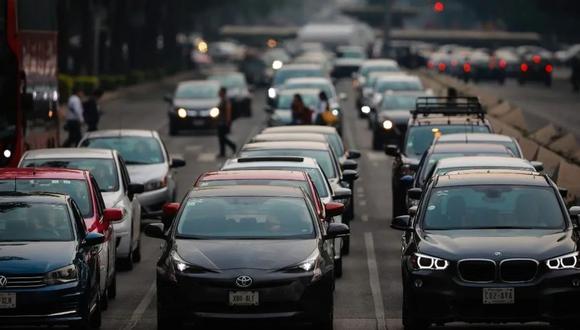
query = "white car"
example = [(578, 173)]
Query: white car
[(110, 172)]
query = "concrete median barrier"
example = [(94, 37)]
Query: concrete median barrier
[(551, 161), (515, 118), (568, 175), (565, 145), (500, 127), (529, 148), (545, 135), (500, 109)]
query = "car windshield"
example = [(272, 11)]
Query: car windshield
[(367, 70), (230, 81), (246, 218), (435, 157), (196, 91), (398, 102), (77, 189), (104, 170), (323, 157), (419, 138), (135, 150), (493, 207), (316, 176), (353, 54), (284, 101), (403, 85), (283, 75), (326, 88), (29, 221)]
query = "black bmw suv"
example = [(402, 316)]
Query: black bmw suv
[(490, 246), (246, 253)]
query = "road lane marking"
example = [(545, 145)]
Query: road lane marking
[(364, 218), (141, 308), (360, 190), (206, 157), (362, 203), (375, 282)]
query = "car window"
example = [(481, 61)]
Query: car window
[(323, 157), (434, 157), (326, 88), (335, 143), (399, 102), (383, 86), (493, 206), (103, 169), (124, 173), (283, 75), (284, 101), (316, 176), (419, 138), (246, 218), (33, 221), (100, 202), (136, 150), (196, 91)]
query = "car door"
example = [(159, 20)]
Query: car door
[(171, 185), (130, 203), (89, 256), (106, 257)]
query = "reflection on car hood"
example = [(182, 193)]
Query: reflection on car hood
[(145, 173), (539, 244), (397, 116), (35, 257), (249, 254), (202, 104)]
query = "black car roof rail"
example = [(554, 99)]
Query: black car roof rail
[(449, 106), (271, 159)]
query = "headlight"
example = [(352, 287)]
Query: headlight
[(335, 112), (387, 124), (214, 112), (181, 113), (365, 109), (183, 266), (420, 261), (62, 275), (311, 264), (568, 261), (277, 65), (156, 184), (271, 93), (7, 153)]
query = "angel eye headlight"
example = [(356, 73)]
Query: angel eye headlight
[(424, 262), (568, 261)]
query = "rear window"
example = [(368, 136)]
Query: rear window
[(323, 157), (135, 150), (419, 138), (283, 75)]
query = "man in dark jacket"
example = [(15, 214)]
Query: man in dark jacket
[(92, 111), (224, 123)]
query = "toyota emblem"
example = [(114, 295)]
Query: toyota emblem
[(244, 281), (3, 281)]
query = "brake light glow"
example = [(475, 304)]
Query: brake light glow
[(441, 67), (549, 68), (536, 59), (524, 67), (467, 67), (502, 64)]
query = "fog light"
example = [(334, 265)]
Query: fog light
[(7, 153), (576, 283), (181, 113), (365, 109), (214, 112), (418, 283), (387, 124)]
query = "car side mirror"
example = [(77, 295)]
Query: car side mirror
[(539, 166), (336, 229), (574, 211), (92, 239), (407, 181), (349, 164), (342, 193), (413, 210), (402, 222), (155, 230), (349, 175), (392, 150), (168, 98), (563, 192), (353, 154), (177, 161), (135, 188), (113, 215), (334, 209), (415, 193), (342, 96)]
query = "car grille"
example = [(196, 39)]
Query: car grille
[(474, 270), (22, 282), (518, 270)]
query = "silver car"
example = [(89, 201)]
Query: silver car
[(148, 163), (110, 172)]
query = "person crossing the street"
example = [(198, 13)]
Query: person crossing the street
[(224, 123)]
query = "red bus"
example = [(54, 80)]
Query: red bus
[(28, 78)]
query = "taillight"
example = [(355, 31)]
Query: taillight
[(467, 67), (441, 67), (524, 67), (536, 59), (502, 64), (549, 68)]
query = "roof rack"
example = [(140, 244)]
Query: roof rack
[(271, 159), (449, 106)]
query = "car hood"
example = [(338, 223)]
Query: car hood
[(397, 116), (111, 198), (145, 173), (511, 243), (247, 254), (21, 258), (196, 103)]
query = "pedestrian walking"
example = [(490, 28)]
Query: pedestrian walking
[(301, 114), (322, 107), (224, 123), (74, 118), (92, 111)]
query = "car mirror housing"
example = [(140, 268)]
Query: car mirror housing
[(402, 222), (334, 209), (349, 164), (353, 154), (392, 150), (413, 210), (337, 230), (349, 175), (155, 230), (407, 181), (136, 188), (538, 166), (415, 193), (574, 211), (113, 215), (177, 161), (93, 238), (342, 193)]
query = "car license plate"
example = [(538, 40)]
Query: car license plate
[(497, 296), (244, 298), (7, 300), (198, 122)]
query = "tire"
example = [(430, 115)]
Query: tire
[(166, 321), (338, 268), (345, 249), (378, 144), (112, 289), (173, 131), (326, 320), (410, 321), (137, 252), (128, 262), (90, 321)]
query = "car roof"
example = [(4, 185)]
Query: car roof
[(471, 147), (292, 91), (441, 120), (300, 66), (39, 197), (254, 175), (73, 153), (42, 173), (491, 161), (392, 93), (282, 162), (467, 137), (286, 145), (301, 129), (378, 62), (491, 177), (308, 80), (198, 83), (272, 137), (397, 77), (120, 133), (249, 190)]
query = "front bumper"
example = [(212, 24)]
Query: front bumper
[(192, 122), (281, 296), (551, 297)]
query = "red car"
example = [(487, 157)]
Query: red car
[(274, 178), (83, 188)]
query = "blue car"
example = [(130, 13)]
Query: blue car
[(48, 262)]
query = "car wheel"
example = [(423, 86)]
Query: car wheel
[(137, 252), (172, 127), (338, 267), (326, 320), (345, 249), (377, 141), (166, 321), (397, 202), (90, 320), (548, 82), (112, 289), (128, 262), (410, 320)]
